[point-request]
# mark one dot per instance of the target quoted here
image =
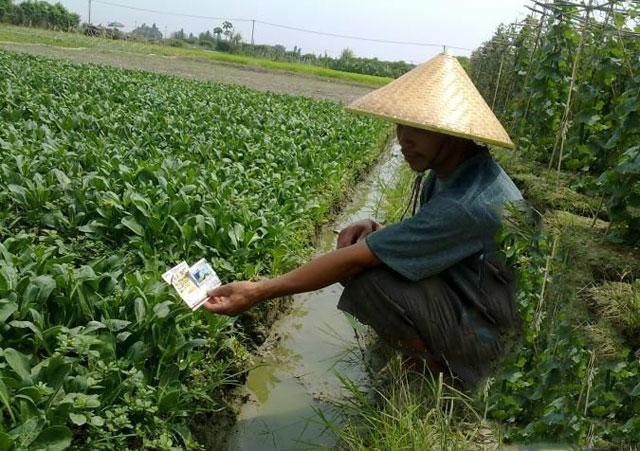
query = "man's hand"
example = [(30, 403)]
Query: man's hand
[(233, 298), (356, 231)]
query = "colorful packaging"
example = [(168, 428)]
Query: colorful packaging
[(192, 282)]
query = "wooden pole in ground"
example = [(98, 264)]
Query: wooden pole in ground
[(564, 123), (526, 78), (495, 92)]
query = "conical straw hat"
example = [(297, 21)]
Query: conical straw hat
[(438, 96)]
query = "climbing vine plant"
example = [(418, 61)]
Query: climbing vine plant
[(565, 81)]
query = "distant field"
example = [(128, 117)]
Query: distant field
[(9, 33)]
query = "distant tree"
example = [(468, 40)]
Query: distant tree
[(179, 34), (236, 41), (205, 37), (144, 31), (6, 9), (217, 32), (347, 54), (38, 14), (228, 29)]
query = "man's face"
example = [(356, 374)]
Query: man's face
[(419, 147)]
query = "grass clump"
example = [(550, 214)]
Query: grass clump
[(619, 304), (594, 257), (605, 341), (411, 410)]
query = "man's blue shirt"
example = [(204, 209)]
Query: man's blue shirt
[(458, 218)]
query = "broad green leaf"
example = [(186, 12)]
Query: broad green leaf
[(19, 192), (139, 309), (55, 371), (116, 325), (163, 309), (93, 326), (91, 227), (40, 288), (133, 225), (77, 418), (7, 308), (55, 438), (6, 399), (18, 363), (96, 421), (62, 178), (122, 336), (27, 432), (169, 401), (8, 277)]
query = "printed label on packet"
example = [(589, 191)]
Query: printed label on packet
[(192, 283)]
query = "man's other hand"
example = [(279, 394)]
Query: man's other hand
[(356, 231)]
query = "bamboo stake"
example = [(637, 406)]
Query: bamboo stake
[(547, 271), (495, 93), (526, 79), (564, 124)]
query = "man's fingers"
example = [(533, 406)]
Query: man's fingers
[(217, 304), (218, 291)]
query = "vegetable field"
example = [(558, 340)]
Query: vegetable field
[(109, 177)]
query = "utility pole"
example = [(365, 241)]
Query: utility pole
[(89, 12), (253, 27)]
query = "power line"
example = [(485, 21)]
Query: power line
[(359, 38), (286, 27), (193, 16)]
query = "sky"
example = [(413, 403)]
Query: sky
[(458, 23)]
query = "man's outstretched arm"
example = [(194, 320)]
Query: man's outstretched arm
[(343, 263)]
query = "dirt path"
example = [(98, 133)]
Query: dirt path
[(200, 69)]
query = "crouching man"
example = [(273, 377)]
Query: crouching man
[(429, 284)]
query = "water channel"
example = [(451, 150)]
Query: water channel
[(308, 347)]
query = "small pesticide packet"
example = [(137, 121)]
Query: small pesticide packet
[(192, 282)]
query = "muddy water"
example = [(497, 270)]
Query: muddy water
[(307, 348)]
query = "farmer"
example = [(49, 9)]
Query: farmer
[(427, 284)]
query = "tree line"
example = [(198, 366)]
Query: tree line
[(225, 38), (38, 14)]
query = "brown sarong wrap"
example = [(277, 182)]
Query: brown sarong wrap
[(458, 333)]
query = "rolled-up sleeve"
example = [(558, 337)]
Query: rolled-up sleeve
[(441, 234)]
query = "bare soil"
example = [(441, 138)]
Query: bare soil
[(207, 70)]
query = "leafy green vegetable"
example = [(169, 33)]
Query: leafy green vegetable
[(108, 177)]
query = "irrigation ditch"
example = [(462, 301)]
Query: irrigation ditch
[(294, 374)]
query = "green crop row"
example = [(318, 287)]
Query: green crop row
[(108, 177)]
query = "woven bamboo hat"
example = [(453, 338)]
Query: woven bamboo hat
[(439, 96)]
